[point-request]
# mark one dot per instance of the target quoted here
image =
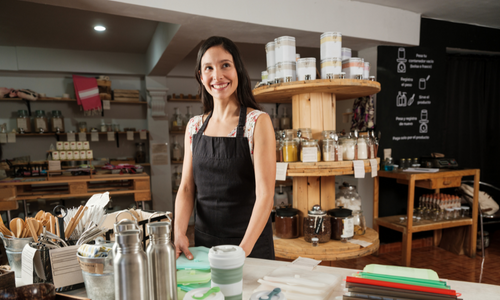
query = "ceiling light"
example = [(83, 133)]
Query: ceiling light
[(99, 28)]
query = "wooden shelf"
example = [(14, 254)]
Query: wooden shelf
[(177, 162), (65, 133), (326, 168), (50, 99), (342, 88), (184, 99), (177, 131), (392, 222)]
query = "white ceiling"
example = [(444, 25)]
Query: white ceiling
[(66, 24)]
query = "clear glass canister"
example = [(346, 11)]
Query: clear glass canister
[(57, 121), (317, 224), (177, 123), (176, 151), (41, 124), (362, 146), (23, 122), (342, 224), (348, 146), (290, 150), (348, 197), (328, 150), (307, 153), (287, 223), (304, 133), (140, 154)]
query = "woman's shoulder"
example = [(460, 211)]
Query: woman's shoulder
[(253, 114), (195, 123)]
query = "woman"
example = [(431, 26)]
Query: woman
[(229, 160)]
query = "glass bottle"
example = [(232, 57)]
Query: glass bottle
[(177, 122), (41, 125), (23, 122), (103, 126), (176, 151), (140, 154), (188, 115), (177, 178), (285, 120), (275, 120), (57, 121)]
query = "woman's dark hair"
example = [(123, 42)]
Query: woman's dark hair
[(244, 90)]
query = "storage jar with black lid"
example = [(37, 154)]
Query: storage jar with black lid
[(317, 224), (286, 223), (342, 224)]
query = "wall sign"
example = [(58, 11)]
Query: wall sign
[(408, 106)]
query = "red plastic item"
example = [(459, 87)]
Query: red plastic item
[(401, 286)]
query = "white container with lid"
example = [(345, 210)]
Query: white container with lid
[(270, 56), (330, 66), (226, 265), (279, 71), (352, 66), (331, 45), (278, 55), (264, 76), (287, 48), (306, 68), (346, 53), (366, 70), (271, 73), (198, 293)]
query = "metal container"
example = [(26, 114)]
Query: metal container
[(124, 225), (130, 267), (14, 249), (161, 262)]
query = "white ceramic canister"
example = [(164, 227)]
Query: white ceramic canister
[(279, 71), (271, 73), (346, 53), (330, 66), (270, 56), (352, 67), (264, 295), (278, 55), (331, 45), (198, 293), (226, 267), (264, 76), (306, 66), (289, 71), (287, 48), (297, 56), (366, 70)]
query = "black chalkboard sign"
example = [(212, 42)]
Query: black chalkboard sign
[(408, 106)]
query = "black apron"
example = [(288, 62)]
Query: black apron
[(225, 183)]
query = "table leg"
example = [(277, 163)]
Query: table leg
[(438, 234), (376, 207), (475, 214), (407, 237)]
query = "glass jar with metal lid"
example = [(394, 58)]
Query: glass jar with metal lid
[(41, 125), (23, 122), (348, 146), (348, 197), (290, 146), (287, 223), (307, 154), (57, 121), (317, 224), (342, 224)]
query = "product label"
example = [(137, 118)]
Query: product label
[(76, 155), (348, 230), (60, 146), (40, 123), (55, 155), (94, 268), (66, 145), (309, 154), (319, 225), (79, 145), (72, 146), (62, 155), (69, 155), (90, 154), (57, 123), (83, 154), (86, 146), (21, 123)]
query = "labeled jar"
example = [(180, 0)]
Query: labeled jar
[(279, 151), (286, 223), (317, 224), (290, 150), (348, 146), (57, 122), (352, 67), (23, 122), (140, 154), (41, 124), (331, 66), (328, 150), (342, 224), (331, 45), (310, 151), (362, 148), (306, 68)]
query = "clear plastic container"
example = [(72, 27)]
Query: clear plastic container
[(306, 145), (41, 124), (57, 121), (317, 224), (23, 122)]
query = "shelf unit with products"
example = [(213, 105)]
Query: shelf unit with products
[(314, 106)]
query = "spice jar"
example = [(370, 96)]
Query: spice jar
[(82, 126), (286, 223), (290, 150), (317, 224), (140, 154), (279, 151), (177, 123), (342, 224), (23, 122), (310, 151), (363, 147), (176, 152), (328, 150), (57, 121), (41, 125), (348, 146)]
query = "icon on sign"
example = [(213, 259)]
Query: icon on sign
[(401, 60), (401, 99), (423, 82), (410, 101), (401, 53), (423, 121)]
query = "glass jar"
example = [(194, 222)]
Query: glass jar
[(374, 143), (177, 123), (348, 197), (57, 121), (465, 211), (285, 121), (287, 223), (317, 224), (290, 150), (306, 147), (176, 182), (188, 115), (359, 222), (279, 151), (342, 224), (176, 152), (304, 134), (23, 122), (140, 154), (362, 147), (275, 120), (348, 146), (328, 150), (448, 213), (82, 126), (41, 124)]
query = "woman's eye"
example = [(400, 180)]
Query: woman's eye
[(208, 68), (226, 65)]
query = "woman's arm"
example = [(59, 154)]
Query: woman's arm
[(184, 201), (264, 158)]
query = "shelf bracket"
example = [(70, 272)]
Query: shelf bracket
[(117, 140)]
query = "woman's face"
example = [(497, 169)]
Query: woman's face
[(218, 73)]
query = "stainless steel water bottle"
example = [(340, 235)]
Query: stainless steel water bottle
[(130, 266), (122, 226), (161, 262)]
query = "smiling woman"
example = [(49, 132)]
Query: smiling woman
[(229, 162)]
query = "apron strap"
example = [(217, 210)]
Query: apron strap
[(242, 121), (202, 129)]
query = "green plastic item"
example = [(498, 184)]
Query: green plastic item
[(189, 287), (193, 276), (180, 293), (405, 280), (401, 271), (215, 289), (199, 261)]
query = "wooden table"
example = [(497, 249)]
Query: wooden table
[(434, 181), (330, 251)]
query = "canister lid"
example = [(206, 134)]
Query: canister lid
[(158, 228), (316, 210), (56, 113), (128, 237), (22, 112), (340, 212), (198, 293), (286, 212), (226, 257), (124, 225)]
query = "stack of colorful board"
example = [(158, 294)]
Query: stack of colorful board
[(126, 95)]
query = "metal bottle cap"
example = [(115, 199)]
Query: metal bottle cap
[(129, 237), (124, 225), (316, 210), (158, 228)]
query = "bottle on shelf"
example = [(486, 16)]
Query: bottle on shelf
[(140, 154), (23, 122), (275, 120), (104, 128), (188, 115), (176, 182), (176, 151), (285, 121), (177, 122), (57, 122)]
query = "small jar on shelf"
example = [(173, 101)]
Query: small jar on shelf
[(57, 122), (285, 121), (275, 120), (176, 182), (317, 224), (41, 124), (176, 151), (310, 151), (188, 115), (23, 122), (287, 223), (140, 154), (342, 224), (177, 122), (348, 146)]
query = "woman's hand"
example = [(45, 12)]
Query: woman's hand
[(182, 246), (247, 249)]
